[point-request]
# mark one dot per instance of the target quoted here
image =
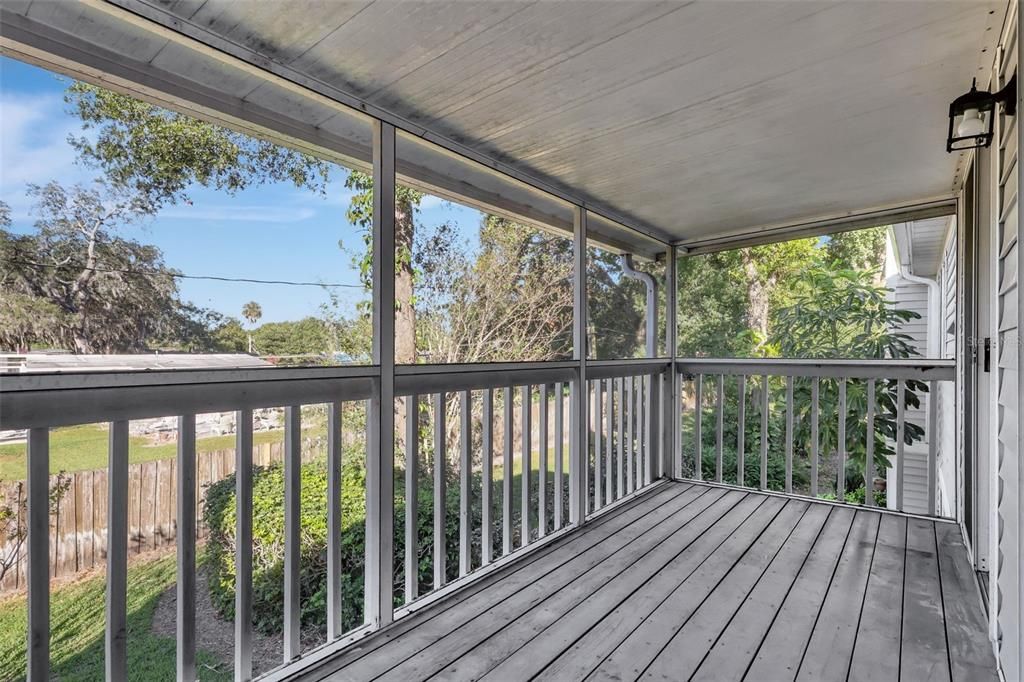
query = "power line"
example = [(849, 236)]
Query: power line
[(178, 275)]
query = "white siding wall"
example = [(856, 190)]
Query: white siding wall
[(946, 429), (912, 296)]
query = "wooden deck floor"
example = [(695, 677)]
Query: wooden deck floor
[(705, 583)]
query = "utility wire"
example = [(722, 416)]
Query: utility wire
[(178, 275)]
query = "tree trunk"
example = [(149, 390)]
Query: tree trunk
[(758, 297)]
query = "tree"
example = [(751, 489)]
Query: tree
[(841, 313), (252, 312), (77, 282)]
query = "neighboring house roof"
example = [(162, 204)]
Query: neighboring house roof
[(27, 363), (920, 244)]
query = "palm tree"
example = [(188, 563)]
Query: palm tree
[(252, 312)]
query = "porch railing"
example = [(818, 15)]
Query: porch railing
[(484, 467), (820, 428)]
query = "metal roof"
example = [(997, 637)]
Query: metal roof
[(687, 120)]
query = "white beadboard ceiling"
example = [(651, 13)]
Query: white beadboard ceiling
[(689, 120)]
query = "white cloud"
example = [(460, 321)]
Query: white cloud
[(34, 148), (239, 213)]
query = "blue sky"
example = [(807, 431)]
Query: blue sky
[(270, 232)]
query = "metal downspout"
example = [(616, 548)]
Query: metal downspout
[(626, 260)]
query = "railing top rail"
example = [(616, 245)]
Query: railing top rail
[(920, 369)]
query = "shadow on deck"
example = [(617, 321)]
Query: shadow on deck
[(694, 581)]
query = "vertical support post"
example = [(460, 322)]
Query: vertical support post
[(292, 529), (764, 432), (465, 494), (869, 456), (841, 444), (698, 433), (901, 389), (578, 401), (933, 442), (116, 635), (243, 545), (789, 434), (559, 454), (671, 441), (440, 492), (506, 478), (524, 478), (542, 465), (487, 482), (815, 436), (741, 430), (412, 496), (334, 521), (38, 567), (380, 464), (186, 540)]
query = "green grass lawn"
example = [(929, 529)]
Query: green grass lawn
[(76, 625), (80, 448)]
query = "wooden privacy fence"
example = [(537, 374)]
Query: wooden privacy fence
[(78, 517)]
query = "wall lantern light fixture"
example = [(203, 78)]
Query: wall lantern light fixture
[(971, 116)]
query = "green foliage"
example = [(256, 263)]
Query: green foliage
[(159, 153)]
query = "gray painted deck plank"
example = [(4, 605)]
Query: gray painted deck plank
[(683, 654), (507, 581), (736, 646), (829, 651), (874, 655), (705, 580), (924, 652), (527, 590), (644, 644), (778, 655), (971, 655), (677, 558), (556, 594)]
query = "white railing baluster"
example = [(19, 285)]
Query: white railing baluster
[(841, 444), (620, 480), (869, 457), (901, 425), (524, 478), (465, 492), (185, 622), (630, 430), (933, 442), (506, 478), (643, 462), (559, 454), (412, 450), (542, 466), (720, 429), (292, 530), (764, 432), (598, 432), (487, 478), (243, 545), (609, 492), (37, 569), (334, 520), (116, 636), (741, 430), (789, 434), (698, 410), (440, 492), (815, 438)]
